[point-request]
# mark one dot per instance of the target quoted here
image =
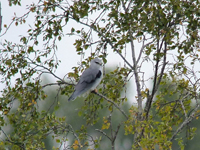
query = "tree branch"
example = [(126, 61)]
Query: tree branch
[(21, 145), (156, 81), (112, 103), (139, 99), (49, 71), (142, 49), (58, 83), (103, 133), (106, 39), (182, 105), (187, 120)]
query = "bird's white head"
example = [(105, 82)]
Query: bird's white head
[(96, 62)]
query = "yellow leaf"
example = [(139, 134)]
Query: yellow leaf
[(29, 104), (45, 3), (33, 101), (105, 126), (44, 9), (32, 9), (75, 145), (86, 144), (5, 112)]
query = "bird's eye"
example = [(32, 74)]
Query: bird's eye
[(97, 62)]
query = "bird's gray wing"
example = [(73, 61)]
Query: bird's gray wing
[(88, 77)]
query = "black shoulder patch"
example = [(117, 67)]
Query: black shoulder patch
[(98, 74)]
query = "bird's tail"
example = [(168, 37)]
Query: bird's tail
[(72, 97)]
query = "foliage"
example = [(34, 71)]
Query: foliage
[(160, 36)]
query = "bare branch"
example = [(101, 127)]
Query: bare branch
[(135, 66), (118, 127), (136, 76)]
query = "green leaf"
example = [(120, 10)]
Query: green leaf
[(57, 140)]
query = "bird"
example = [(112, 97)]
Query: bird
[(89, 79)]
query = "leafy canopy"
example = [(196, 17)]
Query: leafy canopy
[(157, 40)]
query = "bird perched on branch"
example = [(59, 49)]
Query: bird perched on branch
[(90, 79)]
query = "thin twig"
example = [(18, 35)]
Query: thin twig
[(49, 71), (103, 134), (112, 103), (73, 132), (58, 83), (182, 105), (142, 49)]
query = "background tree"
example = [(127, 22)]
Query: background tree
[(158, 42)]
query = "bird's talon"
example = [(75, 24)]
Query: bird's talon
[(94, 91)]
